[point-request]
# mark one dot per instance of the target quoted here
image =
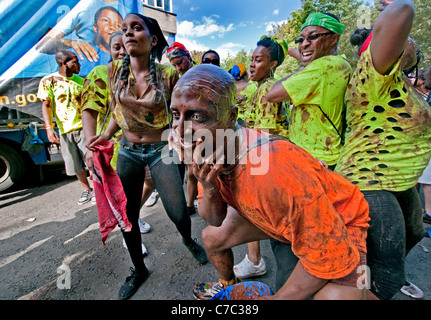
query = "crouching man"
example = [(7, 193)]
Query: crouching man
[(296, 200)]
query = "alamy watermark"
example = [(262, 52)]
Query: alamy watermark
[(64, 280)]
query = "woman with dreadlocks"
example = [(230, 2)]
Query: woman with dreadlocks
[(141, 91)]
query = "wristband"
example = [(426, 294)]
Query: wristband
[(49, 127)]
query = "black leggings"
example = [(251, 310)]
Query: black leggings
[(166, 179), (395, 228)]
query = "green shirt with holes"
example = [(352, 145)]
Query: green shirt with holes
[(316, 91), (388, 134)]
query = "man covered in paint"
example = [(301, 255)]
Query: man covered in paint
[(321, 214), (317, 92)]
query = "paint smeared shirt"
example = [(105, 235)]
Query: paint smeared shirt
[(388, 133), (323, 84), (147, 112)]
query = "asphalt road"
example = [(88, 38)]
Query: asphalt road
[(51, 249)]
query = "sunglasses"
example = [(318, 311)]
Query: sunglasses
[(211, 61), (312, 37)]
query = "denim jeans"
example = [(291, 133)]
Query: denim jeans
[(132, 159)]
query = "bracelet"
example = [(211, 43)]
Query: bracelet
[(49, 127)]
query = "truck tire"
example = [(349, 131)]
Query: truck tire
[(12, 167)]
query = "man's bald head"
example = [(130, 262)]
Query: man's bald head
[(215, 84)]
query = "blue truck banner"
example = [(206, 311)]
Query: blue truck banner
[(31, 32)]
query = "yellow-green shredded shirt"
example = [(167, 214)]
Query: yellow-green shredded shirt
[(264, 115), (96, 96), (323, 84), (65, 96), (388, 134), (243, 98)]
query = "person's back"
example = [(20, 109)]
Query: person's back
[(387, 147)]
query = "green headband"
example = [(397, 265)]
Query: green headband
[(325, 21)]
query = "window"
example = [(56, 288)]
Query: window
[(168, 5), (165, 5)]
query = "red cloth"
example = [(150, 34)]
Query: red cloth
[(366, 44), (110, 197), (177, 45)]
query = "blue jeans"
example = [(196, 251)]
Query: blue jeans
[(132, 159)]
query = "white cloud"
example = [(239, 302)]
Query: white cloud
[(191, 45), (194, 8), (270, 25), (224, 50), (276, 12), (229, 48), (207, 27)]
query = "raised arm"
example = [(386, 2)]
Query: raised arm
[(277, 93), (390, 34)]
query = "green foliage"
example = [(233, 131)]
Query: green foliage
[(353, 14), (421, 31)]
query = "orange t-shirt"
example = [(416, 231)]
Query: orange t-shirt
[(298, 201)]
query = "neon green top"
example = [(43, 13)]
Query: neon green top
[(322, 84), (243, 98), (96, 96), (65, 96), (262, 114), (388, 133)]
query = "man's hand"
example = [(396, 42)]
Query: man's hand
[(83, 48), (52, 136)]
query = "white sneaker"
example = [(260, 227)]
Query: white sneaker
[(143, 226), (85, 197), (144, 249), (151, 201), (247, 269), (411, 290)]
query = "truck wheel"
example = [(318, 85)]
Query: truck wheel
[(12, 167)]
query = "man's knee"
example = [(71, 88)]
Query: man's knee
[(213, 239)]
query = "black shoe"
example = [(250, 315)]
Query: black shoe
[(426, 218), (132, 284), (197, 251)]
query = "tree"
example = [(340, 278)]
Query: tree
[(421, 30), (242, 56), (353, 14)]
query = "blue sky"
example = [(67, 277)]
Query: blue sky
[(228, 26)]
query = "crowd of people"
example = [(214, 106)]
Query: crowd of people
[(344, 148)]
